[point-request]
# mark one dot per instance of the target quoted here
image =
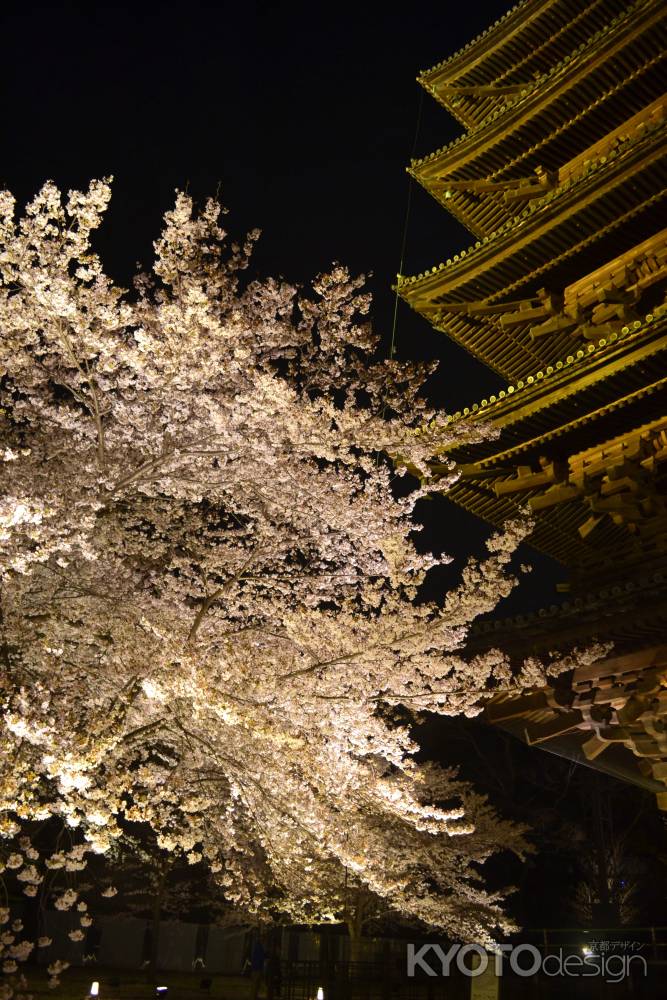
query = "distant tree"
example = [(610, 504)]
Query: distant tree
[(153, 884), (211, 595), (598, 841), (609, 869)]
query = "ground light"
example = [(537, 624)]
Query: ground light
[(320, 993), (94, 989)]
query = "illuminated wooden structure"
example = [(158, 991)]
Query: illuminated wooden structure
[(560, 178)]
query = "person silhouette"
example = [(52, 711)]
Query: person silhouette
[(257, 963)]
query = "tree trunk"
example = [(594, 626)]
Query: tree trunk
[(355, 948), (155, 929), (354, 928)]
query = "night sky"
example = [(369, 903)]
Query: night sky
[(304, 115)]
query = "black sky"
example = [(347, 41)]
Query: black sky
[(305, 114)]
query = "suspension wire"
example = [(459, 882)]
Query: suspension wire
[(404, 240)]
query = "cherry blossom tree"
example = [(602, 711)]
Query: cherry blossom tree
[(437, 881), (211, 592)]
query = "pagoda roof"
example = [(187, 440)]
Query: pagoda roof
[(584, 75), (617, 703), (607, 196), (559, 177), (611, 553), (600, 377), (522, 44), (628, 613), (575, 414), (485, 179)]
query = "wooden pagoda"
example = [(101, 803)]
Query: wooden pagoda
[(560, 177)]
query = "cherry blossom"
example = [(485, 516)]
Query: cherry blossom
[(213, 611)]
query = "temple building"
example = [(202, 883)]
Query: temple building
[(559, 175)]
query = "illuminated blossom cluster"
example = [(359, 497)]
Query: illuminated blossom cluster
[(211, 591)]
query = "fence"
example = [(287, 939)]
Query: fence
[(644, 979), (341, 980), (313, 961)]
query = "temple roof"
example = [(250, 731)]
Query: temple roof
[(606, 209), (523, 44), (583, 444), (612, 553), (629, 614), (616, 703), (560, 176), (486, 178), (604, 377)]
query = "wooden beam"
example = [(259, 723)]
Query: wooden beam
[(554, 496), (477, 186), (563, 723), (594, 746), (550, 304), (555, 324), (478, 307), (513, 708), (526, 479), (481, 90)]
